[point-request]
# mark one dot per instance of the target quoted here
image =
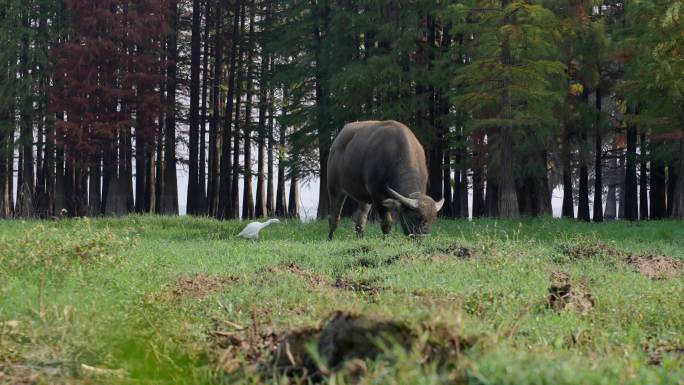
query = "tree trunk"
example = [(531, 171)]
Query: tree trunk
[(643, 181), (168, 204), (631, 183), (478, 164), (94, 190), (201, 203), (598, 164), (234, 206), (214, 180), (293, 204), (478, 192), (672, 177), (323, 120), (583, 192), (678, 193), (247, 196), (583, 204), (447, 210), (270, 201), (281, 203), (261, 210), (508, 200), (193, 198), (228, 191), (568, 210), (26, 188), (658, 193), (465, 213)]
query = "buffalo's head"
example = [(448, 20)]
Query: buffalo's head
[(417, 212)]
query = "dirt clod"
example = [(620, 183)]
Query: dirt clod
[(453, 250), (361, 286), (587, 247), (656, 266), (200, 285), (565, 296), (346, 340)]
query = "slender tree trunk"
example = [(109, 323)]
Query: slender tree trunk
[(465, 213), (194, 196), (27, 187), (568, 210), (456, 198), (229, 197), (643, 180), (478, 191), (631, 183), (598, 163), (247, 195), (5, 150), (281, 202), (270, 201), (323, 120), (214, 181), (678, 193), (168, 204), (658, 193), (672, 178), (260, 210), (94, 190), (235, 199), (583, 204), (478, 164), (141, 166), (447, 210), (201, 203)]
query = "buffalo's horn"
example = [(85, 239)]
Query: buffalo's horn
[(438, 205), (412, 203)]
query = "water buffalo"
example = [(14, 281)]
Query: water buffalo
[(381, 165)]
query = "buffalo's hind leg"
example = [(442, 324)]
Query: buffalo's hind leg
[(361, 217), (336, 203)]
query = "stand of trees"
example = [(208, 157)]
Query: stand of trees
[(101, 103)]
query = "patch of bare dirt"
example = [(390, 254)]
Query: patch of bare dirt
[(16, 374), (453, 250), (368, 287), (373, 262), (659, 350), (344, 342), (563, 295), (587, 247), (200, 285), (656, 266), (314, 279)]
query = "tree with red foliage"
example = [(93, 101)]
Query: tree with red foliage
[(106, 80)]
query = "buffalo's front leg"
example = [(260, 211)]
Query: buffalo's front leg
[(361, 217), (336, 203), (385, 219)]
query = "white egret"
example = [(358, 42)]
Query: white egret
[(252, 229)]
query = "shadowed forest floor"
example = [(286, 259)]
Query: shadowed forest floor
[(181, 300)]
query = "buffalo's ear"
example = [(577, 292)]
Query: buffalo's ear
[(391, 203), (439, 205)]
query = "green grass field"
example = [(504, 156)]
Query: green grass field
[(180, 300)]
